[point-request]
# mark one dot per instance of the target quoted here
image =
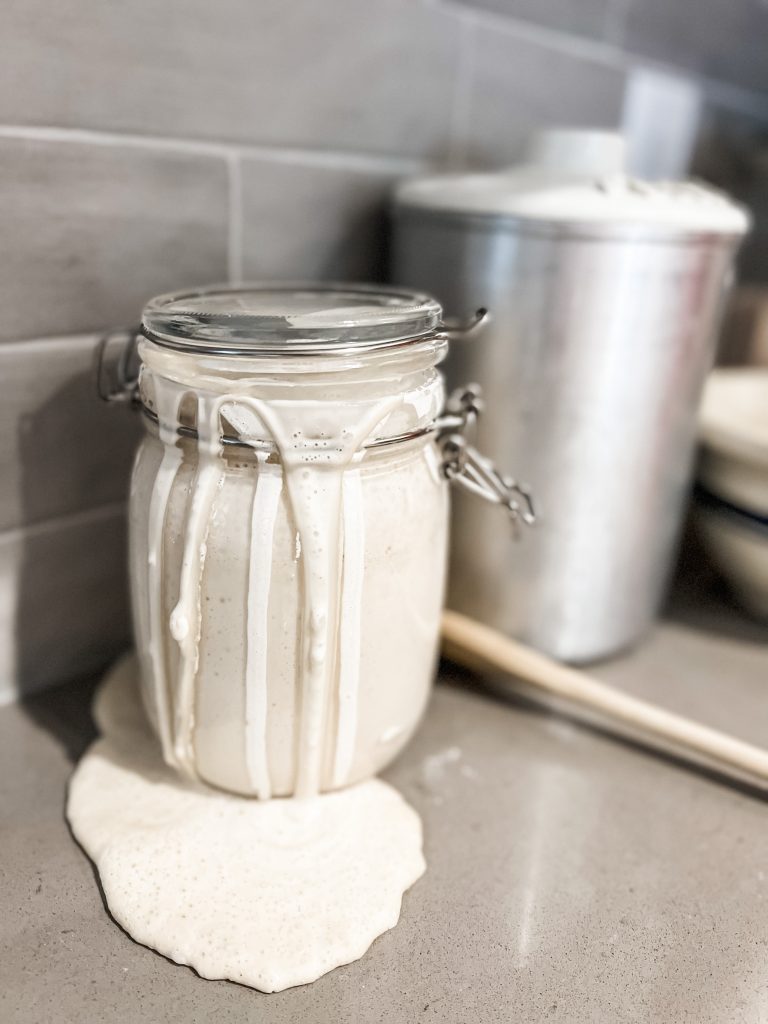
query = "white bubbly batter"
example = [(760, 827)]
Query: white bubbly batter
[(287, 599), (270, 894)]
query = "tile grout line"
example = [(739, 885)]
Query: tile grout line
[(329, 159), (87, 338), (85, 136), (67, 521), (462, 93), (235, 226), (333, 160), (597, 51), (739, 99)]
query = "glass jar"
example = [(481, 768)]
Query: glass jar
[(288, 527)]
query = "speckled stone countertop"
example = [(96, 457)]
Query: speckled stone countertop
[(572, 876)]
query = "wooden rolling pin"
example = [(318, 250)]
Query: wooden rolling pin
[(476, 646)]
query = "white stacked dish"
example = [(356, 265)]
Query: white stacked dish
[(732, 491)]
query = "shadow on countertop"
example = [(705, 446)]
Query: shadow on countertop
[(700, 600), (65, 712)]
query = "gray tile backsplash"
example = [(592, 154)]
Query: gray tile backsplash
[(733, 154), (722, 39), (149, 146), (352, 74), (62, 450), (311, 222), (520, 85), (89, 232), (581, 17), (63, 600)]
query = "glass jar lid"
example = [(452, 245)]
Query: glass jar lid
[(290, 319)]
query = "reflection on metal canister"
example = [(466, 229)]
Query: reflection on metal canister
[(605, 297)]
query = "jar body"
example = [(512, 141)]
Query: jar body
[(313, 569)]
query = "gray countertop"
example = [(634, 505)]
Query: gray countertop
[(572, 876)]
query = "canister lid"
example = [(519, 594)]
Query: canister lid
[(574, 181), (297, 319)]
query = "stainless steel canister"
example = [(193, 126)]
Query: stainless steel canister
[(605, 297)]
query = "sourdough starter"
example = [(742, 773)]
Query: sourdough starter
[(266, 893), (287, 592), (288, 541)]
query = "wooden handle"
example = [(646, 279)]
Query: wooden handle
[(477, 646)]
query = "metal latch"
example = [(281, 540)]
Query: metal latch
[(464, 465), (117, 366)]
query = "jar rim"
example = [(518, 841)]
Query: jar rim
[(290, 318)]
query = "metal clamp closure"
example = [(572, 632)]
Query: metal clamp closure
[(117, 379), (117, 366), (464, 465)]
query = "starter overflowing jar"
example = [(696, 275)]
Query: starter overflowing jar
[(288, 528)]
